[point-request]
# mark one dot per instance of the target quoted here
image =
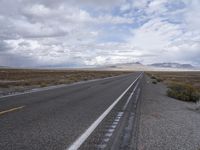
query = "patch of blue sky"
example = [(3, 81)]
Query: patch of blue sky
[(137, 15), (114, 33), (174, 19), (174, 14), (175, 5), (92, 12)]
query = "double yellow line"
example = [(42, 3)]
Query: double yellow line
[(10, 110)]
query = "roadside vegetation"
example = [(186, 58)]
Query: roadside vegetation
[(155, 80), (182, 91), (19, 80), (181, 85)]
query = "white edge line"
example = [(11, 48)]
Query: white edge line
[(58, 86), (79, 141)]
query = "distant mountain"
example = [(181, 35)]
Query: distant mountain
[(173, 65), (125, 66), (4, 67), (137, 66)]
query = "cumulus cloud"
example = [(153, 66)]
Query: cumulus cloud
[(80, 33)]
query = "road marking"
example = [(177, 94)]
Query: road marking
[(10, 110), (129, 98), (79, 141)]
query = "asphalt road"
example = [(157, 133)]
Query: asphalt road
[(53, 119)]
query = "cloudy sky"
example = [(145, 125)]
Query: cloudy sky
[(77, 33)]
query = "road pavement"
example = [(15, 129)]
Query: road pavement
[(55, 119)]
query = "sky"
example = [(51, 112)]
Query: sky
[(78, 33)]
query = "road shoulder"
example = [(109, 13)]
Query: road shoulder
[(166, 123)]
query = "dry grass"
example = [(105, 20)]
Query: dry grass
[(192, 78), (40, 78), (182, 85), (182, 91)]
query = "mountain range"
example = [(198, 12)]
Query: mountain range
[(173, 65), (133, 66), (151, 67)]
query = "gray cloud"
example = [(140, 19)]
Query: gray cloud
[(4, 47), (91, 32), (13, 60)]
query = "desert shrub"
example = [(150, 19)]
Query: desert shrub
[(27, 83), (182, 91), (159, 80), (153, 77), (42, 84), (149, 74), (154, 82)]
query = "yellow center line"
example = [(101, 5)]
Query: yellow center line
[(10, 110)]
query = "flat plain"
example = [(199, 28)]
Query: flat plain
[(19, 80)]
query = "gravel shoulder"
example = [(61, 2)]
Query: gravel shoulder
[(166, 123)]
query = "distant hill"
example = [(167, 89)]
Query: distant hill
[(173, 65), (137, 66), (132, 66), (125, 66), (4, 67)]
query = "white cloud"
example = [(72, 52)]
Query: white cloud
[(140, 4), (38, 10), (99, 32), (192, 15), (156, 6), (125, 7), (155, 35)]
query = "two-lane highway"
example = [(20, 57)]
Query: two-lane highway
[(53, 119)]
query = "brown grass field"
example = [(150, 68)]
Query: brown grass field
[(20, 78), (191, 78)]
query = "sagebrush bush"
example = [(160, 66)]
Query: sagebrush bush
[(154, 82), (153, 77), (159, 80), (181, 91), (43, 84)]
